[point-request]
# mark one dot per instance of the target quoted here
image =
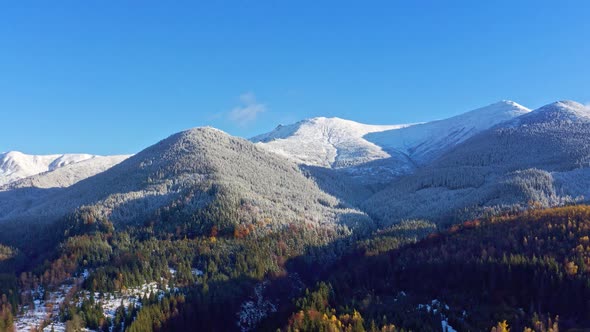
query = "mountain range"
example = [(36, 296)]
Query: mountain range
[(338, 143), (501, 156), (539, 157), (45, 171), (307, 227), (191, 171)]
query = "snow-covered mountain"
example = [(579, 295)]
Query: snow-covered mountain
[(498, 155), (542, 156), (424, 142), (15, 166), (338, 143), (326, 142), (66, 175), (555, 137), (192, 174), (559, 112)]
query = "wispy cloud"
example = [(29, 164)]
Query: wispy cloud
[(248, 110)]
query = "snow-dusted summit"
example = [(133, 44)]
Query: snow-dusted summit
[(338, 143), (327, 142), (559, 111), (424, 142), (68, 174), (15, 166), (188, 172), (542, 156)]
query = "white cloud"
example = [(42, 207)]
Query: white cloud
[(248, 111)]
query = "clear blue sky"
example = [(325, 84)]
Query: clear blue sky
[(112, 77)]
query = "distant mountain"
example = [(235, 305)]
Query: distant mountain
[(424, 142), (554, 137), (383, 151), (15, 166), (188, 174), (542, 156), (326, 142), (67, 175)]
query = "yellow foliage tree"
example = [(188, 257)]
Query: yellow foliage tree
[(501, 327)]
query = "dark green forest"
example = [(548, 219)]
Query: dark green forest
[(524, 271)]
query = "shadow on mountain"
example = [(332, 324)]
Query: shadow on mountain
[(475, 274), (357, 183), (260, 305), (217, 308), (16, 201)]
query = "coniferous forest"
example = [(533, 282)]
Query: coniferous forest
[(524, 271)]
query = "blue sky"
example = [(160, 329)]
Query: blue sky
[(113, 77)]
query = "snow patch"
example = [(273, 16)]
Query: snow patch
[(255, 310), (43, 312), (437, 307)]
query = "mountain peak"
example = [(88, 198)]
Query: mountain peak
[(328, 142), (198, 136), (15, 165), (507, 102), (332, 119), (564, 110), (571, 103), (500, 108), (568, 106), (424, 142), (12, 153), (203, 131)]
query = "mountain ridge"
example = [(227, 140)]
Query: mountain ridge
[(532, 158), (338, 143), (189, 170), (16, 166), (328, 142), (477, 153)]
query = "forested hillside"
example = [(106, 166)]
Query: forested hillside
[(201, 216), (527, 271), (530, 269), (518, 162)]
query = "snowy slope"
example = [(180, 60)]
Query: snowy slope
[(67, 175), (15, 165), (187, 172), (424, 142), (542, 156), (555, 137), (327, 142), (338, 143), (560, 111)]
